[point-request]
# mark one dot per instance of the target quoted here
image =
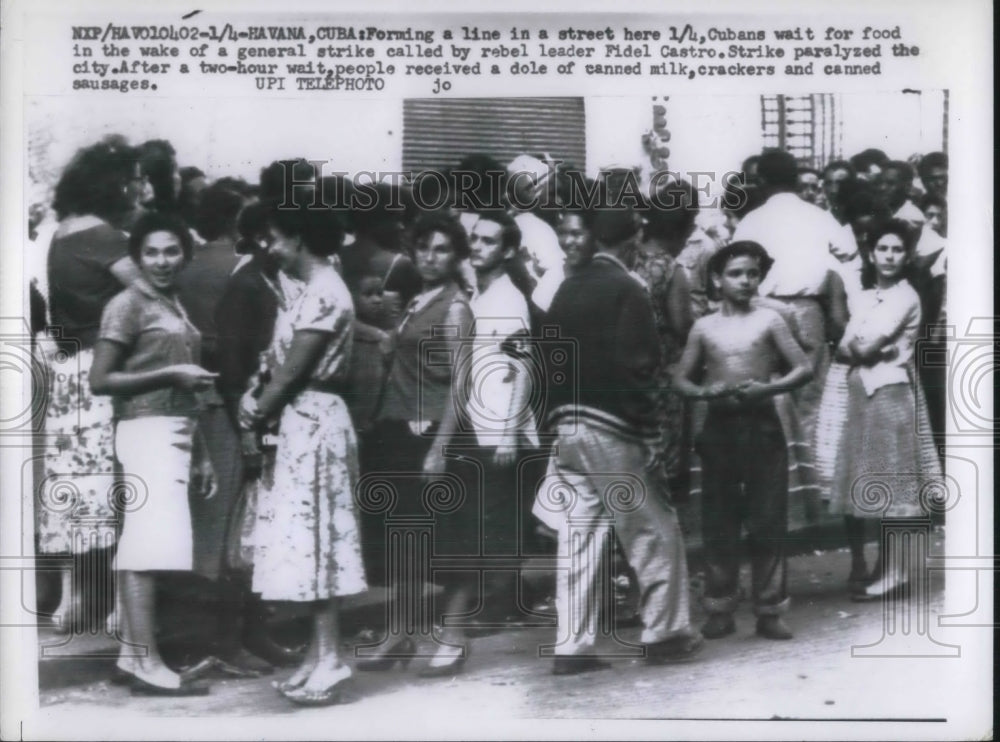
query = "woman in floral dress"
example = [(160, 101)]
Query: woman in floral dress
[(88, 264), (306, 544)]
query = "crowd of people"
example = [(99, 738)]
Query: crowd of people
[(260, 359)]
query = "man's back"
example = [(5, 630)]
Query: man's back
[(608, 315), (798, 235)]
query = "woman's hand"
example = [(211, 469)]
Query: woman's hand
[(191, 377)]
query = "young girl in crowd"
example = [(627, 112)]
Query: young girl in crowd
[(368, 373), (884, 405)]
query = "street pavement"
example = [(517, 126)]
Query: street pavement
[(741, 677)]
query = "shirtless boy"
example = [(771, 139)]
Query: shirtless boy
[(738, 359)]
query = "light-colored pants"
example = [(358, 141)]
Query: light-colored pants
[(599, 485)]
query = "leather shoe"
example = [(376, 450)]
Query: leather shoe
[(455, 667), (242, 664), (675, 649), (718, 625), (272, 652), (198, 670), (576, 664), (773, 627), (402, 651)]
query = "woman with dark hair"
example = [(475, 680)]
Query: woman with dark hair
[(88, 263), (306, 543), (417, 421), (158, 159), (146, 359), (873, 389)]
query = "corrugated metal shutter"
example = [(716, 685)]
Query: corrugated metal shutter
[(438, 133)]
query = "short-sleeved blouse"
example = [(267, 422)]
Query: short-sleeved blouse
[(323, 305), (895, 313), (156, 333)]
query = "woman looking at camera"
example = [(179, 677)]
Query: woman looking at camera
[(146, 359)]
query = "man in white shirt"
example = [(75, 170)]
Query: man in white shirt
[(527, 179), (803, 240), (498, 398)]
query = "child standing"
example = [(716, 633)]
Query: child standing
[(884, 406), (733, 358), (367, 374)]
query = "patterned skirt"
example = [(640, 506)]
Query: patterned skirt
[(306, 542), (883, 467), (75, 508)]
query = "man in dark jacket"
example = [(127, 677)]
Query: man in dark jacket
[(599, 484)]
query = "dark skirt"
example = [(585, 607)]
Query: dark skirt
[(394, 495)]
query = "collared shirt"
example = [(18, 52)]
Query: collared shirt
[(155, 333), (801, 238), (895, 313), (909, 212), (614, 259), (500, 331)]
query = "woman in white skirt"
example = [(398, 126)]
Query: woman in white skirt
[(869, 450), (146, 358), (306, 543)]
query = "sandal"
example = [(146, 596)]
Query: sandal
[(284, 686), (340, 692)]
